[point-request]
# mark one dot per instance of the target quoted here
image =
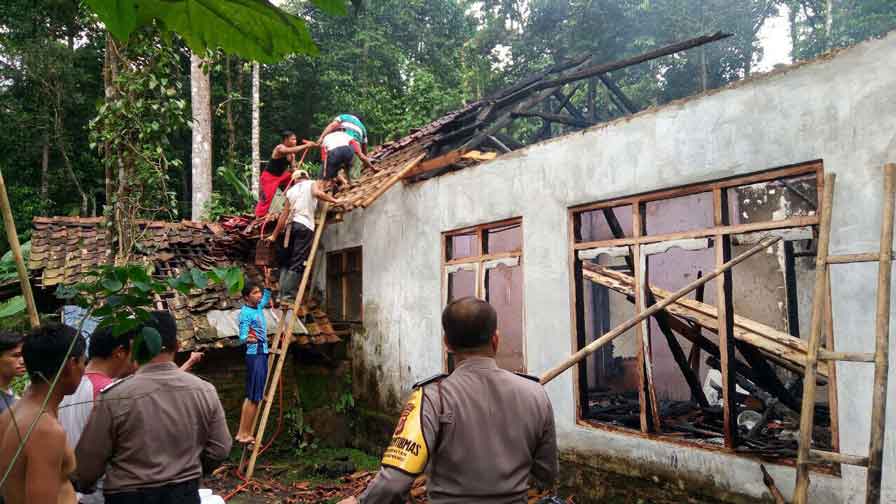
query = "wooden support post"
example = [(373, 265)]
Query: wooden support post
[(807, 416), (882, 343), (725, 310), (632, 322), (627, 105), (392, 181), (13, 238), (286, 339)]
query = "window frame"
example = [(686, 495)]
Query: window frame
[(479, 260), (343, 278), (721, 234)]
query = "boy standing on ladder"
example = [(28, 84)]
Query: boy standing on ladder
[(253, 332)]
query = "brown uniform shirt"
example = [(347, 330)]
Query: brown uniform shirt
[(487, 430), (155, 428)]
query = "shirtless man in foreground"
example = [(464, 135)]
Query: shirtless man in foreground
[(41, 472)]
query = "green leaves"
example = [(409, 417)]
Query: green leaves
[(12, 307), (147, 344), (253, 29)]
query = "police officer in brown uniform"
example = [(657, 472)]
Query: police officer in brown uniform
[(478, 433), (155, 433)]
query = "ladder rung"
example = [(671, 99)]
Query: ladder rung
[(853, 258), (841, 458), (845, 356)]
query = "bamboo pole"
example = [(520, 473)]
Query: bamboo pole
[(285, 340), (16, 248), (881, 357), (625, 326), (801, 492)]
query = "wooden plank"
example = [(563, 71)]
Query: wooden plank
[(853, 258), (777, 496), (13, 239), (629, 107), (393, 180), (646, 407), (807, 416), (801, 221), (557, 118), (882, 345), (833, 400), (845, 356), (784, 346), (625, 326), (838, 458), (725, 316), (812, 167), (447, 159), (643, 332), (286, 339)]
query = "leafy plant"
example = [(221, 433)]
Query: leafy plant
[(253, 29), (123, 298), (300, 433)]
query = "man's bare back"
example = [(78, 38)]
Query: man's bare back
[(40, 474)]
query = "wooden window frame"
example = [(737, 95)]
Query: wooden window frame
[(478, 259), (721, 234), (342, 278)]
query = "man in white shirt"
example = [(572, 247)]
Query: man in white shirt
[(302, 198)]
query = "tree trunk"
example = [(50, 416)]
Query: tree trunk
[(829, 24), (45, 169), (110, 72), (256, 125), (228, 108), (200, 92)]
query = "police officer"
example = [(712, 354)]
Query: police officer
[(154, 433), (478, 433)]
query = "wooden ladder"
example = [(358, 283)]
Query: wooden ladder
[(279, 349), (806, 454)]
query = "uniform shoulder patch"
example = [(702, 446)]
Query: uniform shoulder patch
[(528, 377), (431, 379), (114, 384)]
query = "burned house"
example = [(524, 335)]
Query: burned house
[(570, 236)]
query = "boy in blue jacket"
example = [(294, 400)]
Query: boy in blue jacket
[(254, 333)]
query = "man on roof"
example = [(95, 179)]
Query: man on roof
[(343, 139), (349, 124), (277, 173)]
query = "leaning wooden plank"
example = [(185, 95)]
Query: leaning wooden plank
[(781, 347), (13, 239), (435, 163), (393, 180), (625, 326)]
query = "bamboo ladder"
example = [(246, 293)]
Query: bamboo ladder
[(874, 460), (279, 348)]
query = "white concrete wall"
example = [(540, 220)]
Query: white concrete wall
[(841, 110)]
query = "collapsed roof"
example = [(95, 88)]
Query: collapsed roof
[(475, 133), (65, 249)]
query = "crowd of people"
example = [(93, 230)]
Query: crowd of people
[(107, 430)]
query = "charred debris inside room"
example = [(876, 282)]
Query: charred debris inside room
[(665, 378)]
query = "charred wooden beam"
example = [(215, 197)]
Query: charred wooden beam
[(557, 118), (595, 70), (566, 103), (627, 104)]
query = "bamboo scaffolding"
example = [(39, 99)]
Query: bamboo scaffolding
[(625, 326), (16, 248)]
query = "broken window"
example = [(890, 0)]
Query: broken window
[(344, 293), (665, 376), (486, 262)]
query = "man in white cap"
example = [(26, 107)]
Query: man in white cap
[(302, 198)]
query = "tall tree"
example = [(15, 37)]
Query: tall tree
[(256, 125), (201, 158)]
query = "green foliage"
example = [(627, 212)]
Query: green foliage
[(123, 298), (300, 434), (252, 29), (12, 307), (236, 198), (137, 123)]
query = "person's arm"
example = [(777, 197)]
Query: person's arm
[(245, 327), (321, 195), (44, 452), (195, 357), (361, 155), (284, 150), (265, 297), (281, 221), (546, 466), (95, 447), (333, 126), (217, 446), (391, 486)]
